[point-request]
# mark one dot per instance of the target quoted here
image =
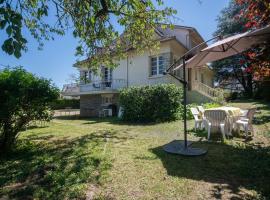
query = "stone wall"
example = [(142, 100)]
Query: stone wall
[(91, 104)]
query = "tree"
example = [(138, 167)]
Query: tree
[(96, 23), (234, 67), (229, 22), (256, 12), (249, 66), (23, 98), (257, 15)]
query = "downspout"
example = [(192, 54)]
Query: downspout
[(127, 70), (188, 43)]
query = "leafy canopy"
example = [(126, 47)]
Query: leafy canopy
[(96, 23), (23, 98), (253, 65)]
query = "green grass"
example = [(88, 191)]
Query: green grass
[(107, 159)]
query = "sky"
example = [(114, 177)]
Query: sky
[(57, 57)]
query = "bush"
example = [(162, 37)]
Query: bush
[(63, 103), (23, 98), (230, 96), (151, 103)]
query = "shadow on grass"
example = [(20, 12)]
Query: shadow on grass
[(68, 117), (117, 121), (235, 166), (110, 120), (53, 168), (264, 116)]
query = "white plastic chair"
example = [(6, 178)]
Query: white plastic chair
[(120, 112), (198, 120), (246, 122), (243, 113), (217, 119), (201, 110)]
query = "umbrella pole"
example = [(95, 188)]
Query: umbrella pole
[(185, 102), (183, 147)]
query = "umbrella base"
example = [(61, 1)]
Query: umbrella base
[(178, 147)]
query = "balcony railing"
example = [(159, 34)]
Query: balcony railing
[(115, 84), (215, 94)]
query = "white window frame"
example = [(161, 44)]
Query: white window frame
[(157, 58)]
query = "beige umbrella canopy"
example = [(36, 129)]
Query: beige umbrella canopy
[(228, 47)]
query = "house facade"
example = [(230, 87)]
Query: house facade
[(99, 92)]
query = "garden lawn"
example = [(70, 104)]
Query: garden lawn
[(106, 159)]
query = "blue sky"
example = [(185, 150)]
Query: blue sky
[(57, 57)]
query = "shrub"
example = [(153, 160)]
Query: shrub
[(230, 96), (63, 103), (151, 103), (23, 98), (211, 105)]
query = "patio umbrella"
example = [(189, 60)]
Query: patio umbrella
[(221, 49), (228, 47)]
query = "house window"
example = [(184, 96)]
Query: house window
[(161, 64), (87, 76), (196, 75), (107, 74), (107, 99), (157, 65), (154, 66)]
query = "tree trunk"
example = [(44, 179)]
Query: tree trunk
[(246, 82), (241, 79), (7, 142), (7, 139), (249, 90)]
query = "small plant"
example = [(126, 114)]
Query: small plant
[(211, 105)]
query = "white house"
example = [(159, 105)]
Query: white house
[(100, 91)]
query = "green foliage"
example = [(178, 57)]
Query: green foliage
[(211, 105), (23, 98), (228, 20), (14, 16), (151, 103), (93, 23), (63, 103)]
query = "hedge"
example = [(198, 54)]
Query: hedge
[(64, 103), (151, 103)]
